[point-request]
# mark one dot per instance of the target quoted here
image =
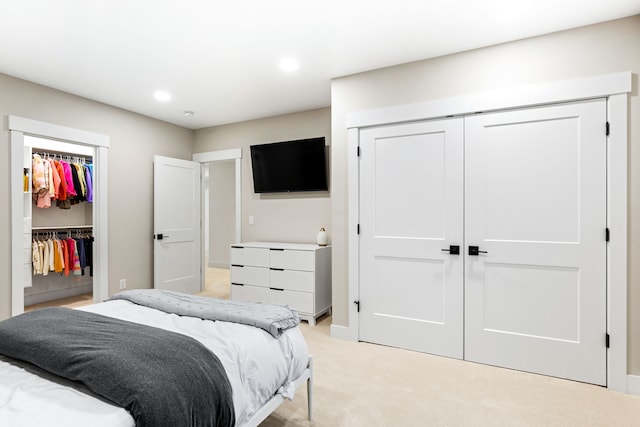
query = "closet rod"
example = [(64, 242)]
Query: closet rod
[(36, 150), (63, 227)]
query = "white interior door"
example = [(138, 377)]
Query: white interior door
[(411, 213), (177, 229), (536, 204)]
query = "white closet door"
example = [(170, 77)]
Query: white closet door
[(177, 230), (536, 203), (411, 209)]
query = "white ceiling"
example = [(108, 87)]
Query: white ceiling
[(220, 58)]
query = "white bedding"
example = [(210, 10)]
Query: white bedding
[(257, 366)]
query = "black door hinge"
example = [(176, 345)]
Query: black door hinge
[(608, 129), (358, 151), (607, 236), (607, 340), (357, 303)]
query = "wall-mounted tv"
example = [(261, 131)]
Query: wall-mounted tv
[(289, 166)]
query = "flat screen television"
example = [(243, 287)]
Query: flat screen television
[(290, 166)]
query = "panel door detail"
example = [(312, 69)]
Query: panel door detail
[(411, 204), (535, 207), (176, 201)]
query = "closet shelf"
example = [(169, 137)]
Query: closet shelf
[(64, 227)]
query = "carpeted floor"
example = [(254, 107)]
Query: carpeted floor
[(366, 385)]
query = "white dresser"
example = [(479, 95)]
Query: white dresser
[(293, 274)]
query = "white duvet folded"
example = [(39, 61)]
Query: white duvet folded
[(257, 366)]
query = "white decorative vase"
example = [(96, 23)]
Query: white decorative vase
[(322, 237)]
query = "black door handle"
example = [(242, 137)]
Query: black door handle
[(475, 250), (453, 250)]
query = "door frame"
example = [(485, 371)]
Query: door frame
[(20, 126), (234, 154), (615, 87)]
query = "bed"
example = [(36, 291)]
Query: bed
[(264, 364)]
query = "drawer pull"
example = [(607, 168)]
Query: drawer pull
[(277, 289), (237, 247), (276, 249), (237, 265), (277, 269), (237, 284)]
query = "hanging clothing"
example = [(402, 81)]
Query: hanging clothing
[(54, 189), (62, 189), (88, 168), (88, 250), (58, 259), (40, 181), (65, 257), (65, 182), (36, 261), (76, 259), (45, 258), (71, 189)]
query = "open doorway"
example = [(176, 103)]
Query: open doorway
[(92, 223), (61, 218), (220, 217)]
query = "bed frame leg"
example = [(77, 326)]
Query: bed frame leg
[(310, 389)]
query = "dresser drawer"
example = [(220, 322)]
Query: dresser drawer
[(250, 275), (257, 257), (299, 301), (249, 293), (291, 279), (292, 259)]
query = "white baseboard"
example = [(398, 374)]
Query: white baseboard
[(343, 333), (633, 384)]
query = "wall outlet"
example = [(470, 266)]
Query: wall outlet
[(251, 221), (123, 283)]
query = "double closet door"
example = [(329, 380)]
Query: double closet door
[(483, 238)]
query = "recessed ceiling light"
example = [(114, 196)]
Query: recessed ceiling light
[(162, 96), (188, 113), (289, 65)]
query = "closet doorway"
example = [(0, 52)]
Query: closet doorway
[(28, 136), (61, 215)]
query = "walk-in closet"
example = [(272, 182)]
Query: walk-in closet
[(58, 216), (45, 223)]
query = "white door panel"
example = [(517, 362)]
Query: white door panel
[(177, 259), (535, 202), (411, 199), (528, 188)]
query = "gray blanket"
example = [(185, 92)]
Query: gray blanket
[(274, 319), (162, 378)]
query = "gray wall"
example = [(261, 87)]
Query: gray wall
[(280, 218), (589, 51), (134, 141)]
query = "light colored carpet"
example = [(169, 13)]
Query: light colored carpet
[(361, 384)]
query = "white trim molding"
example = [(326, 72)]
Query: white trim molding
[(615, 87), (19, 127), (235, 155), (526, 96), (62, 133), (216, 156), (633, 384)]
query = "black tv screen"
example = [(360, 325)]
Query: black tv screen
[(289, 166)]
